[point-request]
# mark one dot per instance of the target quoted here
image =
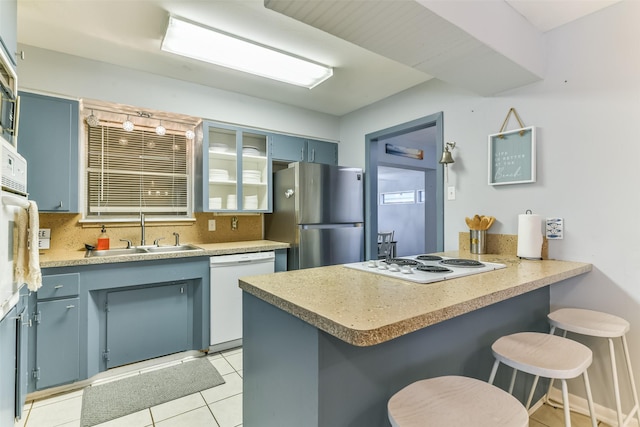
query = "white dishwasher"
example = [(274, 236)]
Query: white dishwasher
[(226, 296)]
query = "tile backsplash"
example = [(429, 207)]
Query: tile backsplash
[(68, 234), (499, 244)]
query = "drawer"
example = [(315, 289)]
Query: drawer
[(59, 285)]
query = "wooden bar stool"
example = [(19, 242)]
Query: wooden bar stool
[(545, 355), (455, 401), (603, 325)]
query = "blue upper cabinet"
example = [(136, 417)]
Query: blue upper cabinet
[(8, 29), (287, 148), (234, 169), (322, 152), (48, 140)]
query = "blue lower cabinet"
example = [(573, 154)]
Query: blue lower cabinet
[(146, 323), (14, 329), (281, 260), (8, 368), (23, 329), (57, 342), (88, 319)]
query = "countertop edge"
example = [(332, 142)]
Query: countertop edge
[(363, 338), (208, 249)]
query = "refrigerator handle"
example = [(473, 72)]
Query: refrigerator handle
[(288, 193)]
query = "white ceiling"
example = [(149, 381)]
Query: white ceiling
[(546, 15), (129, 33)]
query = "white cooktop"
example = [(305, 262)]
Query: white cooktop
[(413, 274)]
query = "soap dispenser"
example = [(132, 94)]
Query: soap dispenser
[(103, 240)]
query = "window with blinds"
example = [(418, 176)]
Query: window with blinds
[(133, 172)]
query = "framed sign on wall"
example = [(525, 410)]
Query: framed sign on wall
[(512, 157)]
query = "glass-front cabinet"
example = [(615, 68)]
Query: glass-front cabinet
[(236, 169)]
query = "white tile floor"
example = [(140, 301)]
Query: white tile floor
[(220, 406)]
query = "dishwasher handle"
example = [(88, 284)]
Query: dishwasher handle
[(242, 259)]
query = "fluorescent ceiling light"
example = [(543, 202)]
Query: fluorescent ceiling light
[(206, 44)]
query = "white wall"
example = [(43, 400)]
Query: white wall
[(586, 112), (75, 77)]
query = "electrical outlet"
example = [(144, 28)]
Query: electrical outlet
[(451, 193), (212, 225), (554, 228)]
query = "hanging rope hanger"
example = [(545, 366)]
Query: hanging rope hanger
[(506, 120)]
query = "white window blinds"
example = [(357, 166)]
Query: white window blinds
[(138, 171)]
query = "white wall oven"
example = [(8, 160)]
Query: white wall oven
[(14, 199)]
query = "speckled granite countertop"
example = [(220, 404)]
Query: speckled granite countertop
[(365, 309), (73, 258)]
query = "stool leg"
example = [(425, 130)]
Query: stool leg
[(627, 359), (493, 371), (546, 398), (565, 403), (592, 410), (616, 386), (513, 380), (533, 389)]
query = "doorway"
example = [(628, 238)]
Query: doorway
[(404, 187)]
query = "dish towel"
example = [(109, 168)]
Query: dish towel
[(27, 260)]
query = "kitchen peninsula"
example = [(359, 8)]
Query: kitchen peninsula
[(328, 346)]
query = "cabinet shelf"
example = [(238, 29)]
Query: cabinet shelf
[(217, 182), (250, 157), (222, 155)]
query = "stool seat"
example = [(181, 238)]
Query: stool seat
[(602, 325), (548, 356), (545, 355), (455, 401), (589, 322)]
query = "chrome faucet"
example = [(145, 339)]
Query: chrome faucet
[(177, 239), (142, 239)]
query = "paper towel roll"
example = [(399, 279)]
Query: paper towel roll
[(529, 236)]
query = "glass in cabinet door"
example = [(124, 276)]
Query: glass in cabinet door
[(255, 172), (223, 168)]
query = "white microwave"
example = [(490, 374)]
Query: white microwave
[(9, 101)]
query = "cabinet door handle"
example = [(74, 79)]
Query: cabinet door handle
[(71, 306), (313, 155), (58, 287)]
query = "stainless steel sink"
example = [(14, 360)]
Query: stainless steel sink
[(115, 252), (179, 248), (141, 250)]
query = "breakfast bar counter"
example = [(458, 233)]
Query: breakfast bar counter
[(328, 346), (365, 309)]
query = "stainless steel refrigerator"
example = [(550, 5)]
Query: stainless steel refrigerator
[(318, 210)]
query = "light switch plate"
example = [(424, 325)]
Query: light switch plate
[(212, 225), (44, 243), (451, 193), (44, 233), (555, 228)]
